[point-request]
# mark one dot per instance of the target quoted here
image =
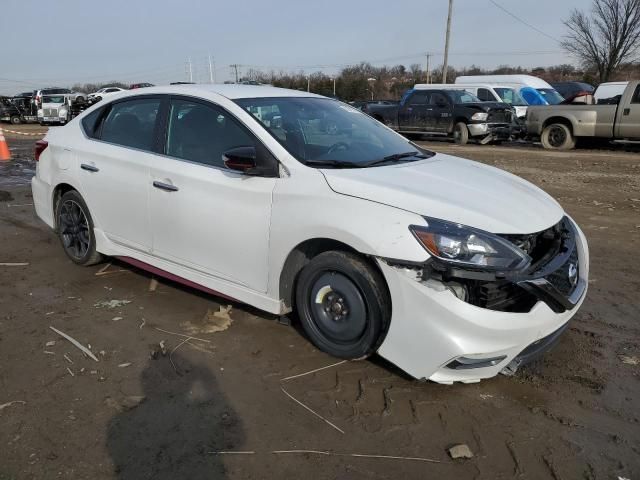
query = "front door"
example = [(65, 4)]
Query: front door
[(204, 216), (114, 171), (439, 111)]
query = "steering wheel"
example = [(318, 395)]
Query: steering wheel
[(338, 146)]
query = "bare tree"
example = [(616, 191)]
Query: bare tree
[(605, 37)]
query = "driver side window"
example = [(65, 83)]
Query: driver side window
[(202, 133)]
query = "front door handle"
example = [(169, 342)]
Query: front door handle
[(89, 168), (165, 186), (626, 111)]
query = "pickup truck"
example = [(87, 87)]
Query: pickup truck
[(560, 126), (452, 113)]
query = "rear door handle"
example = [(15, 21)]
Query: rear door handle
[(165, 186), (89, 168), (626, 111)]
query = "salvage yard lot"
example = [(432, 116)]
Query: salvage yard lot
[(137, 413)]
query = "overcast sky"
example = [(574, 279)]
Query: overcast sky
[(69, 41)]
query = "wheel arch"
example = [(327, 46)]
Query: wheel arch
[(558, 119), (59, 190), (302, 254)]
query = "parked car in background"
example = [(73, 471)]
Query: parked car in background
[(573, 89), (488, 93), (133, 86), (545, 91), (9, 112), (105, 92), (450, 269), (559, 126), (453, 112), (609, 92)]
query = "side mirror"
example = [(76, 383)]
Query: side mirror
[(241, 159), (441, 104)]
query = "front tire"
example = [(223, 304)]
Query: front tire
[(461, 133), (15, 120), (343, 304), (75, 230), (557, 136)]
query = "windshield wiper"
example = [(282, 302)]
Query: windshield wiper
[(395, 157), (333, 163)]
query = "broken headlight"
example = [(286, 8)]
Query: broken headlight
[(466, 246)]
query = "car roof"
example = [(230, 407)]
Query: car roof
[(230, 91)]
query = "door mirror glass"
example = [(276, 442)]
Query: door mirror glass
[(241, 159)]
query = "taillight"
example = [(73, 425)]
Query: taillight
[(40, 147)]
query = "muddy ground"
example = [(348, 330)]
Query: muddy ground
[(137, 414)]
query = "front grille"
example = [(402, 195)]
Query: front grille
[(502, 296), (50, 112), (499, 116), (561, 278)]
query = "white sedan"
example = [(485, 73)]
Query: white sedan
[(450, 269), (105, 92)]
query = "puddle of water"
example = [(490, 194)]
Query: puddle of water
[(19, 170)]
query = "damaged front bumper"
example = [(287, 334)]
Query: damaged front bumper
[(438, 333)]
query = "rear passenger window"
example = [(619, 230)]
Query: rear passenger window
[(202, 133), (636, 95), (419, 98), (90, 123), (132, 123), (485, 95)]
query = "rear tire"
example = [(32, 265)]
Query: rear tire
[(15, 120), (461, 133), (557, 136), (75, 230), (343, 304)]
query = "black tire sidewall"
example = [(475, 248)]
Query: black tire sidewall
[(90, 256), (15, 120), (373, 290)]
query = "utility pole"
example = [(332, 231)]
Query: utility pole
[(308, 84), (190, 71), (235, 67), (334, 86), (428, 70), (445, 67), (210, 70)]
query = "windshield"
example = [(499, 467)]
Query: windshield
[(510, 96), (53, 99), (462, 96), (551, 96), (328, 133)]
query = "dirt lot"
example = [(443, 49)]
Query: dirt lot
[(573, 415)]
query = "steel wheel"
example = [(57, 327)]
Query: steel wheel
[(74, 229), (557, 136), (337, 308), (343, 304)]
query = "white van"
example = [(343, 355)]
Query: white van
[(609, 90), (548, 93), (486, 93)]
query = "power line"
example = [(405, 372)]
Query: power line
[(496, 4)]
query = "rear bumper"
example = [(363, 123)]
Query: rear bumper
[(43, 200), (432, 332)]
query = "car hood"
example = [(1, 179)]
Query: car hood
[(453, 189)]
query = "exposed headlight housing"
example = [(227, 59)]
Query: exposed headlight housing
[(480, 116), (62, 113), (470, 247)]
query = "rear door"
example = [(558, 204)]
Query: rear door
[(114, 168), (412, 116), (628, 119), (439, 112)]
